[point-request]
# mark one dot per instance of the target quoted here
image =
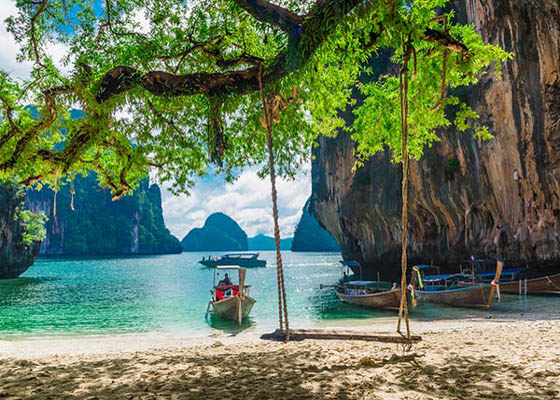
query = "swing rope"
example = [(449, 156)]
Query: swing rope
[(282, 305), (403, 86)]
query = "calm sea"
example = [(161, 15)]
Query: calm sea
[(170, 294)]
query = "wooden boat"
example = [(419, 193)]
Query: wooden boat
[(245, 260), (371, 294), (512, 280), (548, 284), (448, 290), (232, 301)]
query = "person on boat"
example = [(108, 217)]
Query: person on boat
[(226, 280)]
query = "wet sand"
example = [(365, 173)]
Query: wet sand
[(459, 359)]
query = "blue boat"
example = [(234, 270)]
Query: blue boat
[(449, 289), (513, 280), (245, 260)]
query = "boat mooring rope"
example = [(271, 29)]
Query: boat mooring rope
[(549, 281)]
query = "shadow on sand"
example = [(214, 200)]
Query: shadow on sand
[(279, 373)]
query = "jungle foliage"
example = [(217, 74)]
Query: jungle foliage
[(173, 86)]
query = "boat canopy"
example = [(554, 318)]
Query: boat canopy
[(360, 283), (350, 263), (509, 271), (426, 266), (229, 267), (241, 255), (435, 278), (481, 260)]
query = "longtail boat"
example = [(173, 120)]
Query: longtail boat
[(231, 301), (245, 260), (447, 289), (372, 294), (513, 280)]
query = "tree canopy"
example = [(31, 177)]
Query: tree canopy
[(173, 85)]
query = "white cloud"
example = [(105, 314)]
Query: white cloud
[(247, 201), (10, 49), (9, 46)]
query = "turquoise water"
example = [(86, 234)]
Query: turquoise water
[(170, 294)]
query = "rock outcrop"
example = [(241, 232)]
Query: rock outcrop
[(219, 233), (99, 226), (464, 193), (15, 256), (310, 236)]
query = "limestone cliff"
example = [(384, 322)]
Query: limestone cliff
[(98, 226), (219, 233), (464, 193), (15, 255), (310, 236)]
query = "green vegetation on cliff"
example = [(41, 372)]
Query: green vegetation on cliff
[(219, 233), (20, 232), (263, 242), (99, 226)]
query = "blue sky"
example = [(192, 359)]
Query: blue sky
[(247, 200)]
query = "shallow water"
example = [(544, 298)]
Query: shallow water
[(170, 294)]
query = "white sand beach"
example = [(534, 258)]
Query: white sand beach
[(458, 359)]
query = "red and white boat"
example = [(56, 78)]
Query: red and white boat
[(232, 301)]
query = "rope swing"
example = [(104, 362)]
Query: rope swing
[(282, 306), (403, 86), (272, 106)]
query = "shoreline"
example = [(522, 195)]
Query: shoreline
[(115, 343)]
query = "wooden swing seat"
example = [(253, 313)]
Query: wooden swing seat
[(321, 334)]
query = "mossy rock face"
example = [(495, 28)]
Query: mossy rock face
[(219, 233), (15, 256)]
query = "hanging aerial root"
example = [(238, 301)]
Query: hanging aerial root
[(55, 190), (72, 195)]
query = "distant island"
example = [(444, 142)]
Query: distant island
[(263, 242), (310, 236), (219, 233), (99, 226)]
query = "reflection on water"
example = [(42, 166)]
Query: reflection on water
[(171, 294), (228, 326)]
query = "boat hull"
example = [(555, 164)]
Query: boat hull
[(545, 285), (382, 300), (549, 284), (238, 262), (479, 296), (228, 308)]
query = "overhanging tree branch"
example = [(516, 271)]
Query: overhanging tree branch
[(322, 20), (123, 78), (269, 13)]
